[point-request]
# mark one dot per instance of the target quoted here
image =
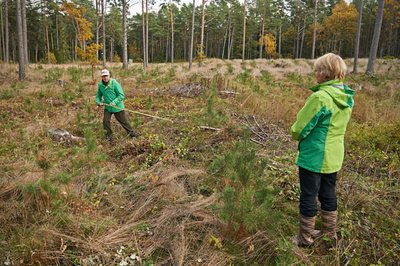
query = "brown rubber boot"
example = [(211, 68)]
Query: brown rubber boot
[(306, 232), (316, 233), (329, 226)]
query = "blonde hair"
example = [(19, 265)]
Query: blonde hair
[(331, 66)]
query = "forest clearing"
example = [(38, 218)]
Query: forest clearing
[(161, 198), (231, 122)]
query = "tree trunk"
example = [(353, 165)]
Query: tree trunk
[(249, 51), (24, 30), (97, 26), (21, 48), (3, 49), (147, 33), (224, 44), (152, 48), (357, 45), (7, 33), (231, 49), (51, 41), (144, 36), (375, 38), (302, 36), (244, 30), (13, 50), (185, 43), (262, 38), (37, 52), (229, 39), (124, 36), (206, 52), (103, 3), (298, 40), (76, 48), (167, 49), (294, 47), (46, 30), (192, 37), (111, 50), (202, 28), (314, 30), (57, 32), (172, 33), (280, 40)]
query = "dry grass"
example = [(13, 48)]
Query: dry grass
[(111, 198)]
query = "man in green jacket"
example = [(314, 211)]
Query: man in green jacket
[(111, 96), (320, 128)]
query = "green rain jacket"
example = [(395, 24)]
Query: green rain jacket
[(112, 93), (320, 127)]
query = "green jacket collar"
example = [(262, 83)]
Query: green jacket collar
[(340, 93), (333, 82), (109, 84)]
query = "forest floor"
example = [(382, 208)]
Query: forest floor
[(213, 183)]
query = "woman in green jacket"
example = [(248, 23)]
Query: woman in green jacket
[(320, 128)]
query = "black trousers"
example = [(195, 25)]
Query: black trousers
[(121, 118), (313, 185)]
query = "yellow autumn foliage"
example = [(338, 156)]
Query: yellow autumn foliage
[(342, 24), (269, 44), (81, 24), (89, 54), (391, 19)]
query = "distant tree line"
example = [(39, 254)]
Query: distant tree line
[(61, 31)]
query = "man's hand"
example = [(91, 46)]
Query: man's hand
[(112, 104)]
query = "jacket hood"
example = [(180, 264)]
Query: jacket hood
[(341, 94)]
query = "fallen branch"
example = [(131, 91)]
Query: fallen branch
[(210, 128), (229, 92), (348, 259), (138, 249), (242, 104), (139, 113), (258, 142)]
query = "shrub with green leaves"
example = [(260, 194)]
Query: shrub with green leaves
[(53, 74), (170, 75), (246, 195), (76, 73), (90, 139), (267, 77), (244, 77), (229, 68), (213, 117), (7, 93)]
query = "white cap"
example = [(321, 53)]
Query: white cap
[(105, 72)]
